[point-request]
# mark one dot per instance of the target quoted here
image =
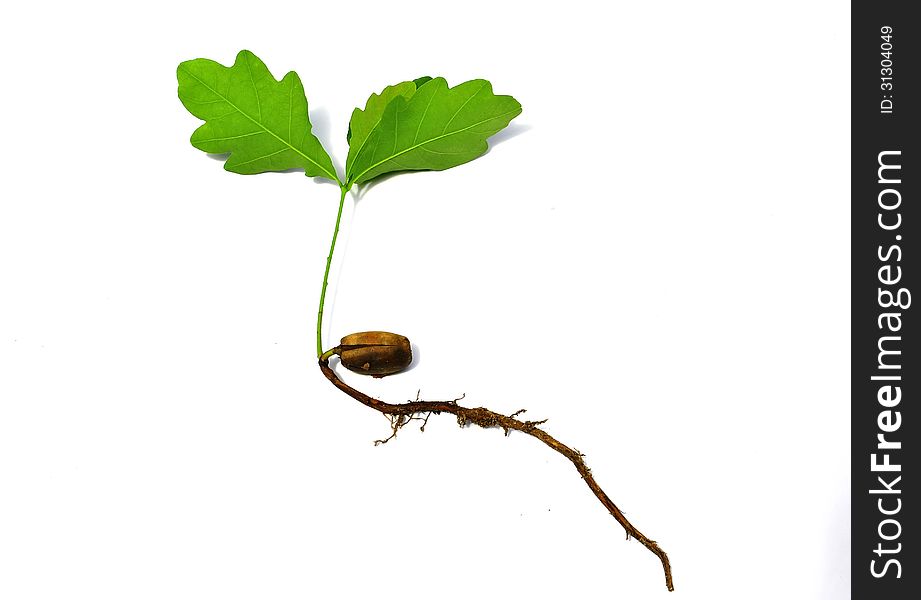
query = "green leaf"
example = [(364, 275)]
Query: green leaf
[(434, 129), (363, 121), (261, 122)]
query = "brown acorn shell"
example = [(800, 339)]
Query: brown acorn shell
[(377, 353)]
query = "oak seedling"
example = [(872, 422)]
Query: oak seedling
[(419, 125)]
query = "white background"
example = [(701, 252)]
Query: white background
[(654, 256)]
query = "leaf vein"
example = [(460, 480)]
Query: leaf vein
[(290, 106), (252, 160), (457, 112), (232, 137), (445, 153), (194, 101), (249, 68), (424, 113)]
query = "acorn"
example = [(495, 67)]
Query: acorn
[(376, 353)]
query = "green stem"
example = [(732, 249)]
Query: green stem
[(329, 260)]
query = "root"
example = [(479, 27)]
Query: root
[(398, 421), (401, 414)]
